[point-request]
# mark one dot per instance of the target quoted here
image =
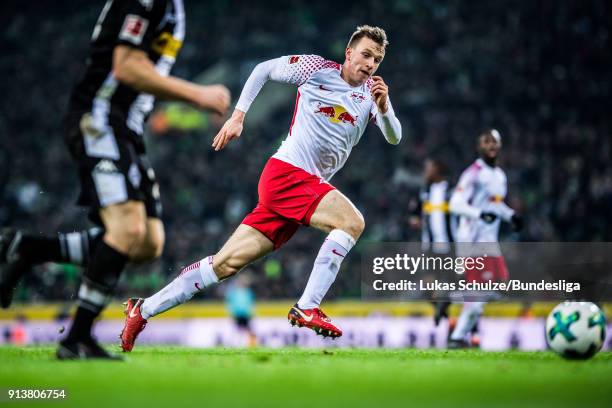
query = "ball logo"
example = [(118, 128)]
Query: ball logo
[(599, 320), (562, 325), (336, 114)]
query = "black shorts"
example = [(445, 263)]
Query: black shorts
[(112, 168)]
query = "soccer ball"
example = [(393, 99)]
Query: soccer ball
[(576, 330)]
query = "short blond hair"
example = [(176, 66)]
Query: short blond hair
[(376, 34)]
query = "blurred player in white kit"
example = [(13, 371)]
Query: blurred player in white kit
[(478, 200)]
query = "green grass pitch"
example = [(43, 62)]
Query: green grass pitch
[(179, 377)]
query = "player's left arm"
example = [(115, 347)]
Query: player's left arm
[(509, 215), (385, 116), (504, 211)]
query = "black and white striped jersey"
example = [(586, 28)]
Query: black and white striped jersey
[(438, 224), (156, 27)]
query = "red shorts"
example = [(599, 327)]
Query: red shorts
[(288, 196), (494, 270)]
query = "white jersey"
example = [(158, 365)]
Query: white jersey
[(330, 116), (481, 188)]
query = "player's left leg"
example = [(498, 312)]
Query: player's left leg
[(495, 270), (20, 251), (336, 215), (72, 247)]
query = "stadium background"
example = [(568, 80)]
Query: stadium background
[(538, 71)]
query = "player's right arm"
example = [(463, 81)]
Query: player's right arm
[(132, 67), (294, 70)]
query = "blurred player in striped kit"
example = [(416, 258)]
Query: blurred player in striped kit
[(432, 216), (478, 200)]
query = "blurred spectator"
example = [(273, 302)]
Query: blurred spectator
[(240, 302)]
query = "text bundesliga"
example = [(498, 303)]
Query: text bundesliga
[(511, 285)]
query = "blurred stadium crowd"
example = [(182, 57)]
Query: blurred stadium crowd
[(538, 71)]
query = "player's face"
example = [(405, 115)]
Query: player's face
[(488, 147), (363, 60), (430, 171)]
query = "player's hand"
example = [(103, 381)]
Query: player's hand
[(516, 222), (212, 97), (488, 217), (380, 92), (230, 130)]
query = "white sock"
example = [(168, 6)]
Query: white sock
[(325, 269), (191, 280), (467, 319)]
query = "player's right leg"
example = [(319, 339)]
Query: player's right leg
[(152, 245), (20, 251), (246, 245), (125, 229), (470, 313)]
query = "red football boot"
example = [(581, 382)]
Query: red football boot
[(134, 324), (314, 319)]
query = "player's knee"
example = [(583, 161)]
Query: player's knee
[(359, 224), (354, 225), (135, 232), (125, 225), (127, 236), (156, 246), (475, 308), (224, 268), (150, 249)]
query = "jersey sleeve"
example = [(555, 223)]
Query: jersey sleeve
[(388, 123), (293, 70), (297, 69), (138, 22), (460, 200)]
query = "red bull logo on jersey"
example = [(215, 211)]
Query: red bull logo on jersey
[(336, 114), (328, 111)]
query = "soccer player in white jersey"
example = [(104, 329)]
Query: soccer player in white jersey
[(334, 105), (479, 201)]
